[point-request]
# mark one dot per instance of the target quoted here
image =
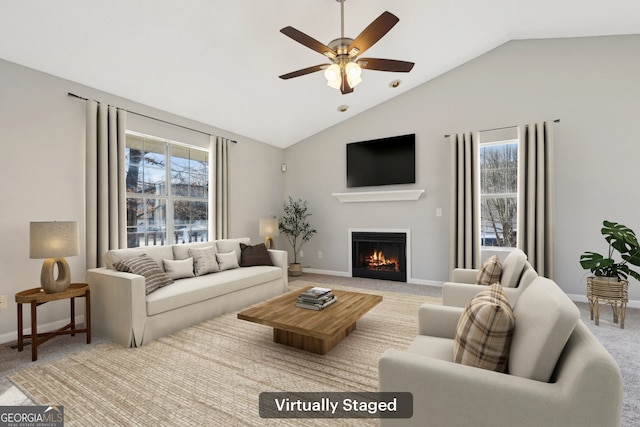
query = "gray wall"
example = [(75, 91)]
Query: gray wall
[(42, 158), (590, 84)]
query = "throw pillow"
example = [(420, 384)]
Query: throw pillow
[(179, 269), (484, 331), (490, 271), (204, 260), (227, 261), (254, 255), (143, 265)]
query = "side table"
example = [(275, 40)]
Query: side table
[(36, 297)]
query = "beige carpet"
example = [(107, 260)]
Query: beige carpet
[(213, 373)]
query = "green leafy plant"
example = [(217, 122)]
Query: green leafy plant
[(295, 226), (621, 239)]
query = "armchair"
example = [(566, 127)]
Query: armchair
[(559, 373)]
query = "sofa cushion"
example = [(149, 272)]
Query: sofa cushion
[(227, 261), (512, 267), (254, 255), (179, 268), (490, 271), (436, 347), (546, 318), (484, 331), (143, 265), (157, 253), (204, 260), (189, 291)]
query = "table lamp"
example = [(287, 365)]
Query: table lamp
[(268, 230), (53, 241)]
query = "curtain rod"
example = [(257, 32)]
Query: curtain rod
[(505, 127), (152, 118)]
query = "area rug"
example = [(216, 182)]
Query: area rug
[(213, 373)]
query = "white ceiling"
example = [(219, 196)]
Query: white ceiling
[(218, 62)]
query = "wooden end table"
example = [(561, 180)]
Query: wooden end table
[(310, 330), (36, 297)]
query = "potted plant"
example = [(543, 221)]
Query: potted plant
[(609, 281), (295, 226), (621, 239)]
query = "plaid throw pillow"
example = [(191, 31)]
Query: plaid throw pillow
[(484, 331), (143, 265), (490, 271)]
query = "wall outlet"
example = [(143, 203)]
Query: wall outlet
[(439, 212), (3, 302), (301, 254), (319, 254)]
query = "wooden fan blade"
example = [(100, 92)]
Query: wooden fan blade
[(374, 32), (304, 71), (344, 86), (309, 42), (386, 65)]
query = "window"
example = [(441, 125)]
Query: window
[(499, 193), (167, 186)]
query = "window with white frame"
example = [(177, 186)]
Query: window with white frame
[(499, 193), (167, 185)]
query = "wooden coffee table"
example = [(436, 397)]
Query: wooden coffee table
[(310, 330)]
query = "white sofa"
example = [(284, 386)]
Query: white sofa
[(517, 274), (559, 373), (122, 312)]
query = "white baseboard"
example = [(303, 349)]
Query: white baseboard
[(13, 336)]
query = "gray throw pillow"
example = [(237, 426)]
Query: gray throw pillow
[(204, 260), (143, 265)]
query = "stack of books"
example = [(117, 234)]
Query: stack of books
[(316, 298)]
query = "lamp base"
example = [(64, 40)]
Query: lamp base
[(268, 242), (49, 283)]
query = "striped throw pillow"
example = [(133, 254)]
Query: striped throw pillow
[(144, 265), (490, 271), (484, 331)]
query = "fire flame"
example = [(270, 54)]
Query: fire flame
[(377, 261)]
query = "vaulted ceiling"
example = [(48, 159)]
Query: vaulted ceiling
[(218, 62)]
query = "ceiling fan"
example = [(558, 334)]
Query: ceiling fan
[(344, 53)]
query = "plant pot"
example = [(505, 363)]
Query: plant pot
[(608, 290), (295, 269)]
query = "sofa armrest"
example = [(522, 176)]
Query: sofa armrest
[(447, 393), (464, 275), (280, 259), (438, 320), (118, 305)]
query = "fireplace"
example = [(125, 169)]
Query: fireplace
[(379, 255)]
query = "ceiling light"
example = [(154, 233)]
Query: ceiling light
[(395, 83), (343, 108), (332, 74)]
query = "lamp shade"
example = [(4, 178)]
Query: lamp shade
[(55, 239), (269, 227)]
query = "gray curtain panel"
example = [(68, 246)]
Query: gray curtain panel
[(106, 215), (220, 198), (465, 201), (536, 203)]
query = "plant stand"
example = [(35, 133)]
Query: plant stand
[(611, 292)]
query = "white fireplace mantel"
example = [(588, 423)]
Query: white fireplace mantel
[(379, 196)]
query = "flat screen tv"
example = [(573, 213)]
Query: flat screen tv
[(383, 161)]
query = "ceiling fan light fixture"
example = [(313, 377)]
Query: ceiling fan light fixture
[(332, 74), (353, 72)]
